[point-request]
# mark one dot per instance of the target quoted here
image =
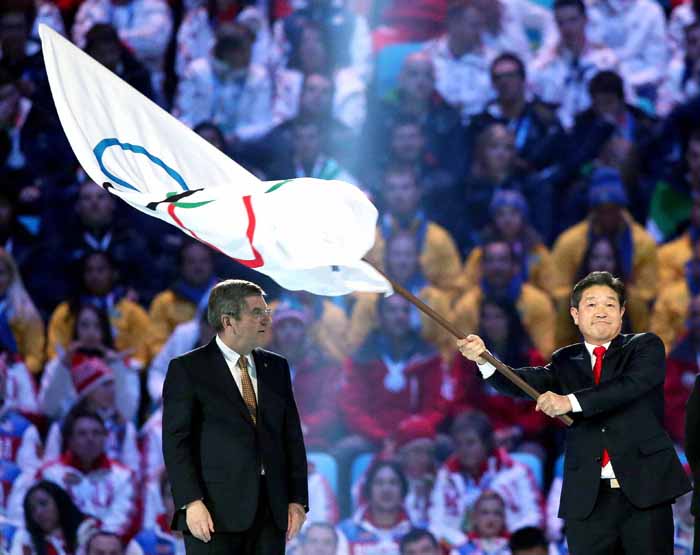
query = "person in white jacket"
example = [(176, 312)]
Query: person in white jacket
[(92, 374), (144, 26)]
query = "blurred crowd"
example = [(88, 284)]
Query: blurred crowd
[(512, 146)]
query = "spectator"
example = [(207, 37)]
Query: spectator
[(185, 337), (315, 378), (684, 13), (15, 238), (461, 60), (311, 56), (382, 520), (510, 222), (670, 312), (402, 265), (346, 33), (607, 217), (308, 157), (392, 377), (534, 126), (99, 486), (20, 390), (674, 255), (20, 439), (178, 303), (103, 43), (513, 420), (684, 524), (225, 88), (477, 465), (329, 324), (561, 74), (104, 543), (22, 334), (39, 153), (415, 451), (636, 31), (156, 537), (143, 26), (602, 255), (683, 75), (419, 542), (323, 505), (98, 228), (681, 369), (439, 258), (501, 278), (91, 374), (52, 523), (673, 199), (212, 134), (528, 541), (416, 103), (98, 286), (197, 32), (486, 526), (315, 104), (508, 22), (318, 538)]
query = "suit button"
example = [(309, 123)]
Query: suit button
[(603, 430), (598, 459)]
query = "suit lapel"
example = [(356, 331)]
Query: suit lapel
[(223, 378), (610, 356), (262, 374)]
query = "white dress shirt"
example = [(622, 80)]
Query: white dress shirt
[(231, 357), (487, 369)]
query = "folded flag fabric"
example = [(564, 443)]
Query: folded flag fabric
[(304, 233)]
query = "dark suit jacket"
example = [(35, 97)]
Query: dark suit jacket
[(212, 449), (692, 442), (623, 414)]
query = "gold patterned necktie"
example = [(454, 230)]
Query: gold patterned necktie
[(247, 387)]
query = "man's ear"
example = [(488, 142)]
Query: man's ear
[(574, 314)]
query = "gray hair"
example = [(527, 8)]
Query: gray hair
[(228, 297)]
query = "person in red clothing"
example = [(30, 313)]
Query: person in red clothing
[(395, 375), (681, 370), (513, 419), (315, 378)]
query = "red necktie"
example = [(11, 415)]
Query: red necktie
[(599, 353)]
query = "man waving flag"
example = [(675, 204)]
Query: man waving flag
[(304, 233)]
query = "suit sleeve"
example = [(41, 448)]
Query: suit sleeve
[(297, 469), (179, 407), (645, 371), (542, 378), (692, 428)]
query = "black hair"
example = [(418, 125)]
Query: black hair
[(527, 538), (103, 319), (69, 517), (566, 3), (475, 421), (101, 32), (26, 7), (79, 411), (102, 533), (598, 278), (372, 474), (415, 535), (210, 126), (607, 82), (519, 341), (509, 57)]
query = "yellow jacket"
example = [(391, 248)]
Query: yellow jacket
[(540, 268), (570, 248), (130, 323), (166, 312), (30, 336), (364, 319), (439, 259), (673, 257), (535, 308), (668, 319)]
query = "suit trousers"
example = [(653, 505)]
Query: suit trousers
[(262, 538), (616, 527)]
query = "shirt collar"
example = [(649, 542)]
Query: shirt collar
[(590, 347), (230, 355)]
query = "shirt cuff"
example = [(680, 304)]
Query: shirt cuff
[(487, 369), (575, 406)]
